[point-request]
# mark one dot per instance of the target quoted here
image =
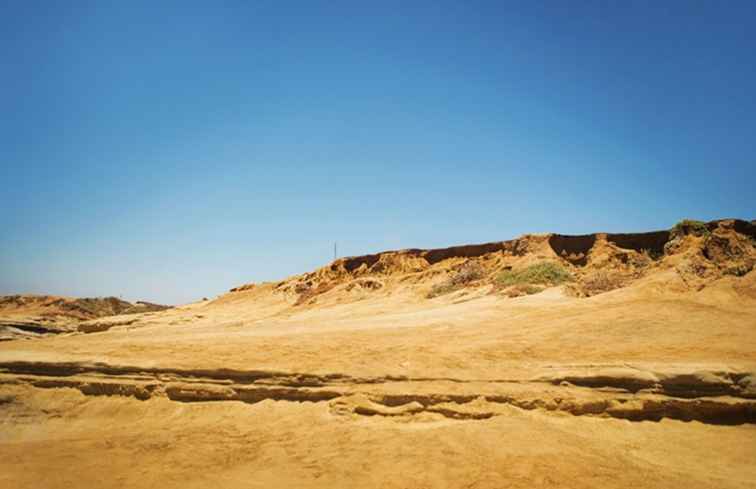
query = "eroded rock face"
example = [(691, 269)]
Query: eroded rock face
[(52, 307), (574, 249), (731, 251), (15, 329), (598, 262), (709, 396), (34, 316)]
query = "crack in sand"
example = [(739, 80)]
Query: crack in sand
[(713, 397)]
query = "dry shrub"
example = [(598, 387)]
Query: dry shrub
[(469, 272), (365, 283), (598, 282), (522, 289), (739, 270), (308, 293)]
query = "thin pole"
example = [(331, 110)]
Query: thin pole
[(335, 251)]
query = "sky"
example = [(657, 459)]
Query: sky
[(168, 151)]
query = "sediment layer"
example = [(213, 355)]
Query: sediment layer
[(708, 396)]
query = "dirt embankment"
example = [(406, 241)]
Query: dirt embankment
[(591, 264), (25, 316)]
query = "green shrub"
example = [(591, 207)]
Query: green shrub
[(544, 273), (690, 226)]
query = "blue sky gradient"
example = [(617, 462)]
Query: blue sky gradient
[(170, 150)]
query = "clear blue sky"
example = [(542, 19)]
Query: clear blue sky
[(170, 150)]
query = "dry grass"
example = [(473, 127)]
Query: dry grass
[(308, 294), (522, 289), (596, 283), (602, 281), (469, 272)]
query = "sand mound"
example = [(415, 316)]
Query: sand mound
[(33, 315)]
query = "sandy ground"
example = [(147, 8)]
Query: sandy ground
[(650, 385), (65, 439)]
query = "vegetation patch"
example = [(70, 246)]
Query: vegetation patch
[(650, 255), (308, 293), (469, 272), (690, 226), (522, 289), (597, 283), (543, 273), (739, 270)]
